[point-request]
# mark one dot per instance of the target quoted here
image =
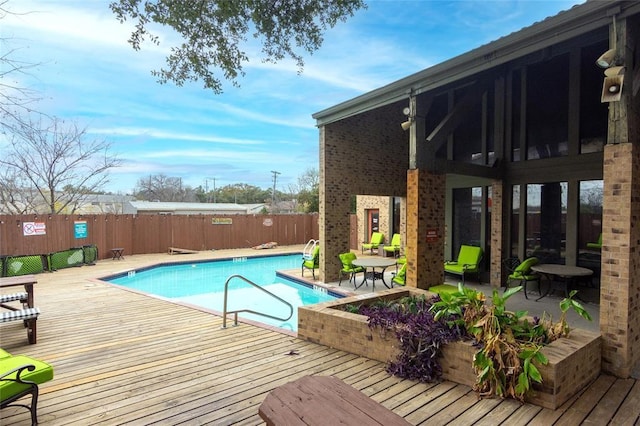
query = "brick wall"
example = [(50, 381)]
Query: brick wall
[(620, 283), (369, 202), (425, 213), (497, 275), (367, 154)]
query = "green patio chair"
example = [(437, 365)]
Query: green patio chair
[(394, 247), (19, 377), (597, 245), (377, 239), (312, 263), (468, 262), (523, 275), (400, 278), (348, 268)]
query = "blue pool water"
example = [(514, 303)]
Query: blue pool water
[(202, 284)]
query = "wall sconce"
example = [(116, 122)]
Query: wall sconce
[(407, 124), (607, 59)]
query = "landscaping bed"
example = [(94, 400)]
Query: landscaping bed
[(574, 361)]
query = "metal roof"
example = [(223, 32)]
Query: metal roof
[(564, 26), (170, 207)]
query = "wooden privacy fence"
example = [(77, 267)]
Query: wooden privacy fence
[(140, 234)]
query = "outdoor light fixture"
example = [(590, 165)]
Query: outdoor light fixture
[(607, 59), (613, 73), (407, 124)]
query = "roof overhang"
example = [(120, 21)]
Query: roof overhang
[(562, 27)]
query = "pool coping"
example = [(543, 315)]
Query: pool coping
[(287, 274)]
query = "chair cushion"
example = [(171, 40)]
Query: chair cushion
[(443, 288), (21, 314), (469, 255), (523, 271), (347, 263), (401, 276), (376, 240), (311, 264), (21, 296), (468, 260), (395, 244), (314, 261), (43, 373)]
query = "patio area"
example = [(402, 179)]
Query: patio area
[(121, 357)]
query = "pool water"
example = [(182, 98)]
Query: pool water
[(202, 284)]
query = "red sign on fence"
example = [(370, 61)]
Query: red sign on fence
[(34, 228), (432, 235)]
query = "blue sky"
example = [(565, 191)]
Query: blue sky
[(88, 73)]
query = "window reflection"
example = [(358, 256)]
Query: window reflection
[(546, 221), (590, 225), (548, 108), (590, 222), (467, 212), (515, 220)]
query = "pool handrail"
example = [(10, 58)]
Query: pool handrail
[(307, 252), (235, 322)]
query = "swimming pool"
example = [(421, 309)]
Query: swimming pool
[(202, 284)]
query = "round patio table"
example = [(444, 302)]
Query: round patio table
[(566, 273), (370, 264)]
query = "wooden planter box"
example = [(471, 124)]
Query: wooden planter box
[(574, 362)]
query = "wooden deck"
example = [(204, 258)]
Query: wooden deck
[(125, 358)]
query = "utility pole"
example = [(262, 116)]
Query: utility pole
[(206, 188), (273, 192)]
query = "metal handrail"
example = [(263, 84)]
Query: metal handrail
[(235, 322), (307, 252)]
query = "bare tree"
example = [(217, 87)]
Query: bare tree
[(56, 160), (16, 195), (309, 187), (15, 100), (163, 188)]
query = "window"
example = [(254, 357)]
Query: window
[(467, 212), (546, 221), (593, 113), (590, 214), (548, 108), (515, 220)]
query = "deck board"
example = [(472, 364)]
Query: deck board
[(629, 412), (121, 357), (610, 402)]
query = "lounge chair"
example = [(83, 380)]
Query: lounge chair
[(312, 263), (522, 274), (394, 247), (376, 240), (19, 377), (348, 268), (400, 277), (468, 262)]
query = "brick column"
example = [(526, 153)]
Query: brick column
[(335, 201), (498, 218), (620, 283), (425, 212)]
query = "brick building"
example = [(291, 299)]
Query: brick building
[(524, 146)]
